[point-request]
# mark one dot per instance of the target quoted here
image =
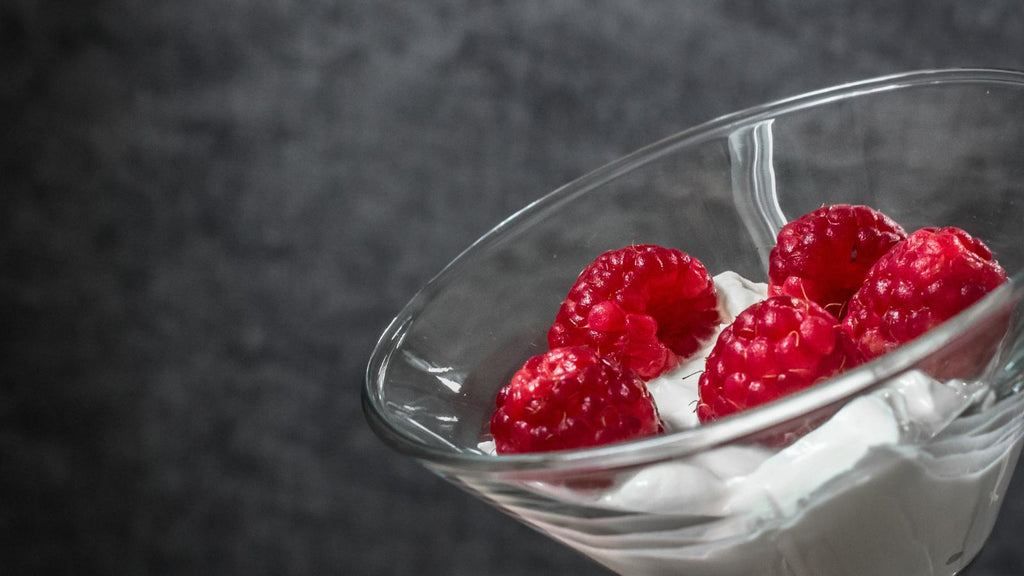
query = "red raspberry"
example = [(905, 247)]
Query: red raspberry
[(645, 306), (923, 281), (824, 255), (772, 349), (572, 398)]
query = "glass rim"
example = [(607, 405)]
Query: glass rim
[(694, 440)]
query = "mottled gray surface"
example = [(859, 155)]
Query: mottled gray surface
[(210, 209)]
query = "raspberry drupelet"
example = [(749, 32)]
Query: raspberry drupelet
[(773, 348), (824, 255), (571, 398), (644, 306)]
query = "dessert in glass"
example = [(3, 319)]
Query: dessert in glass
[(898, 465)]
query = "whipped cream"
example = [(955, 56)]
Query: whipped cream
[(904, 480)]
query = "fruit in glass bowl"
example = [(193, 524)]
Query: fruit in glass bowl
[(929, 148)]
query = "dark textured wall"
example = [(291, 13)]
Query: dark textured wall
[(209, 209)]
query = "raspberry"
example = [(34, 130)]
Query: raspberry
[(572, 398), (645, 306), (824, 255), (773, 348), (923, 281)]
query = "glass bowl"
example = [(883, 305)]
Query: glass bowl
[(907, 467)]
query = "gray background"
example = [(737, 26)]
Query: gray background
[(211, 208)]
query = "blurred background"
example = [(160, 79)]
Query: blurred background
[(210, 209)]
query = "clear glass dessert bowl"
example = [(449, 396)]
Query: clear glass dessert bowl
[(910, 454)]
